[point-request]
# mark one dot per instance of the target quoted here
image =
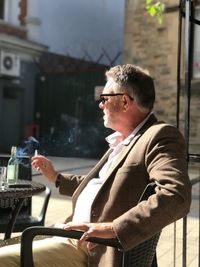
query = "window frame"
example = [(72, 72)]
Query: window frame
[(2, 9)]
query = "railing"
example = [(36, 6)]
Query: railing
[(179, 244), (189, 254), (186, 17)]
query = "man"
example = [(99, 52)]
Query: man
[(105, 201)]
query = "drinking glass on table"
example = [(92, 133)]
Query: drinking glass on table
[(3, 178)]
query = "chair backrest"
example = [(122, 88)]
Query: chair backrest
[(143, 254)]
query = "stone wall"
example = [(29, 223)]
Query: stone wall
[(154, 46)]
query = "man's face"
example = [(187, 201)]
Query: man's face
[(111, 106)]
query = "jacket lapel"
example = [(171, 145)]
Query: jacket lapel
[(122, 155)]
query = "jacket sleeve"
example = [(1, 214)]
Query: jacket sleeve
[(69, 183)]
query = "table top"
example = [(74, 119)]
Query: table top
[(22, 189)]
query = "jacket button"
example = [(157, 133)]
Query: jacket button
[(93, 214)]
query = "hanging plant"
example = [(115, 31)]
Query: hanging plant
[(155, 8)]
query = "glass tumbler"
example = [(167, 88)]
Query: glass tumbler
[(3, 178)]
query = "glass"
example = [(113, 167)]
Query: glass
[(3, 178), (103, 99)]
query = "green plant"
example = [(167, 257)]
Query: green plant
[(155, 8)]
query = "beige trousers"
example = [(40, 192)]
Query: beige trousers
[(49, 252)]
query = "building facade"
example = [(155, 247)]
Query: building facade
[(18, 57), (155, 47)]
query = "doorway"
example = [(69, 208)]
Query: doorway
[(11, 117)]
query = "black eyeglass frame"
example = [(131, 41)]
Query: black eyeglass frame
[(103, 100)]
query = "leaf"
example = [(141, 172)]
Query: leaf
[(152, 11), (155, 9)]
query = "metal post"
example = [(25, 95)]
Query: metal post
[(187, 108), (178, 98), (186, 10), (179, 65), (187, 73)]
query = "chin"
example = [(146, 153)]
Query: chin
[(107, 125)]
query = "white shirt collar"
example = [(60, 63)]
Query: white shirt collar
[(114, 139)]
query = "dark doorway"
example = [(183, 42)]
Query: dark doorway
[(11, 111)]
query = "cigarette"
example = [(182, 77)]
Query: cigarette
[(36, 152)]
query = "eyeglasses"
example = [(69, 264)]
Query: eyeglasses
[(103, 99)]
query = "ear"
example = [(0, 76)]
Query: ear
[(126, 102)]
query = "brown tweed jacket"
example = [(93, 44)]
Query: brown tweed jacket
[(157, 154)]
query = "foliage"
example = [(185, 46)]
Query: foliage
[(155, 8)]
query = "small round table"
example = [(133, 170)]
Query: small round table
[(19, 192)]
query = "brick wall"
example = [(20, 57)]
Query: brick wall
[(154, 46), (23, 11), (14, 31)]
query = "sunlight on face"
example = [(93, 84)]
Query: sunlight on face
[(112, 106)]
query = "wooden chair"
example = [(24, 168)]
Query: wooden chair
[(143, 255)]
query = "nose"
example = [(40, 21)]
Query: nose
[(101, 105)]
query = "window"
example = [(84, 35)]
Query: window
[(2, 9)]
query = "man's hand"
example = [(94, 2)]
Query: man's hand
[(41, 163), (102, 230)]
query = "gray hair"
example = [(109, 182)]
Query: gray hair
[(135, 81)]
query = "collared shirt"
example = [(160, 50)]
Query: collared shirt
[(87, 196)]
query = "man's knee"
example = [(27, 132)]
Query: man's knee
[(10, 256)]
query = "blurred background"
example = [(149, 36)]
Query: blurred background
[(53, 56)]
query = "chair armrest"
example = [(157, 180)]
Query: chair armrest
[(42, 214), (148, 191), (30, 233), (148, 246)]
